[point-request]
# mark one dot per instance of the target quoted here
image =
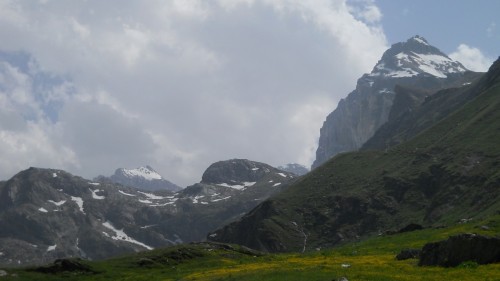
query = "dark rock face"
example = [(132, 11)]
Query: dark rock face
[(414, 64), (460, 248), (411, 227), (408, 254)]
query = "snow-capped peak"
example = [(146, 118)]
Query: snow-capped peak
[(143, 172), (415, 57)]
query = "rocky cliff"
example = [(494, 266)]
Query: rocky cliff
[(414, 64)]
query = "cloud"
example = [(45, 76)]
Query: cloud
[(179, 84), (472, 58)]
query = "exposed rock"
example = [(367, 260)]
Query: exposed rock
[(461, 248), (65, 265), (414, 64), (3, 273), (410, 227), (48, 214), (408, 254)]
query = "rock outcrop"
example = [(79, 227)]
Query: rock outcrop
[(461, 248), (414, 64)]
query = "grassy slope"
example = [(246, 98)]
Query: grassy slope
[(371, 259), (444, 174)]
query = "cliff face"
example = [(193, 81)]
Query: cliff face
[(414, 64)]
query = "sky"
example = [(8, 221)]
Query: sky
[(92, 86)]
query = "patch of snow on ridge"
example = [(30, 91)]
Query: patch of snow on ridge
[(238, 186), (94, 183), (54, 175), (276, 184), (145, 201), (79, 202), (152, 196), (43, 210), (57, 203), (283, 175), (143, 172), (52, 248), (420, 40), (125, 193), (122, 236), (215, 200), (94, 194)]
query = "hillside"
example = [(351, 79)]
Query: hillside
[(47, 214), (443, 175)]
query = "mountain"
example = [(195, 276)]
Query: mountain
[(143, 178), (414, 64), (295, 168), (47, 214), (442, 176)]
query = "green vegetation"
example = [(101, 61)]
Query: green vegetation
[(371, 259)]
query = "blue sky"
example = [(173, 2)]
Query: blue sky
[(92, 86), (444, 23)]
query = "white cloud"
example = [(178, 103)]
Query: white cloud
[(181, 84), (472, 58)]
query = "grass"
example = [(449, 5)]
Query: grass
[(371, 259)]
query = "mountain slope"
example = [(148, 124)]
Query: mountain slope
[(414, 64), (144, 178), (446, 173), (47, 214)]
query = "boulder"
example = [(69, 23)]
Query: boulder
[(408, 254), (460, 248)]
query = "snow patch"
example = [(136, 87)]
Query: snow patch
[(54, 175), (145, 201), (238, 186), (283, 175), (255, 169), (195, 199), (125, 193), (94, 194), (43, 210), (215, 200), (122, 236), (52, 248), (94, 183), (152, 196), (276, 184), (420, 40), (79, 202), (143, 172), (57, 203)]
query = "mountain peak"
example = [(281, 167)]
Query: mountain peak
[(144, 177), (145, 172), (415, 57)]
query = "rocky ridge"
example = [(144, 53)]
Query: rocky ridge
[(143, 178), (46, 214), (415, 64)]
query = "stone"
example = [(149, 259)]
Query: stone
[(3, 273), (408, 254), (461, 248), (411, 227)]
